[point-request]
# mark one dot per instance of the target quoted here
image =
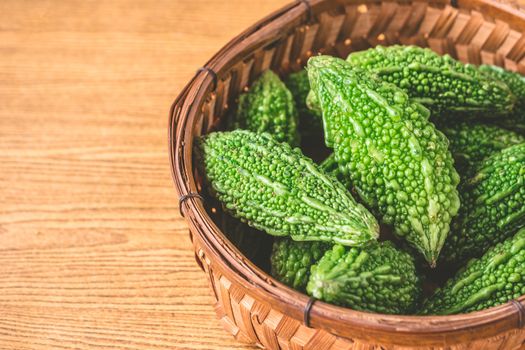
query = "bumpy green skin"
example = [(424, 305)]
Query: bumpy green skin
[(439, 82), (494, 279), (291, 261), (516, 83), (377, 278), (492, 205), (274, 188), (396, 159), (269, 107), (472, 142)]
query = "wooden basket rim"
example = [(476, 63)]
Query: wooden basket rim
[(425, 330)]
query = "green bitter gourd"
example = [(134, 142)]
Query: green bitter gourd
[(377, 278), (395, 158), (492, 205), (273, 187), (441, 83), (516, 83), (268, 107), (472, 142), (494, 279)]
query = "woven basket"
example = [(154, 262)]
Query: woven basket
[(251, 305)]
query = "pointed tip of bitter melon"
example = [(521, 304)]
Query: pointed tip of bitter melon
[(397, 160), (433, 263), (275, 188), (431, 257)]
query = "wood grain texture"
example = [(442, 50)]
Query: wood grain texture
[(93, 253)]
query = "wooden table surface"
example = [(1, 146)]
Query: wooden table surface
[(93, 253)]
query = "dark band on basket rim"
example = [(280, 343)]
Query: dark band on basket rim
[(454, 3), (309, 9), (210, 72), (186, 196), (307, 309), (521, 312)]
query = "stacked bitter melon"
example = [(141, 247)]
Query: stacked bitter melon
[(492, 205), (439, 82), (516, 82), (423, 144), (378, 278), (495, 278), (274, 188), (472, 142)]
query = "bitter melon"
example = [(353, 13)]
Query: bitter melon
[(441, 83), (516, 83), (291, 261), (472, 142), (269, 107), (273, 187), (378, 278), (495, 278), (492, 205), (395, 158)]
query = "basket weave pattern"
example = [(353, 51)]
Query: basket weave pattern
[(251, 305)]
